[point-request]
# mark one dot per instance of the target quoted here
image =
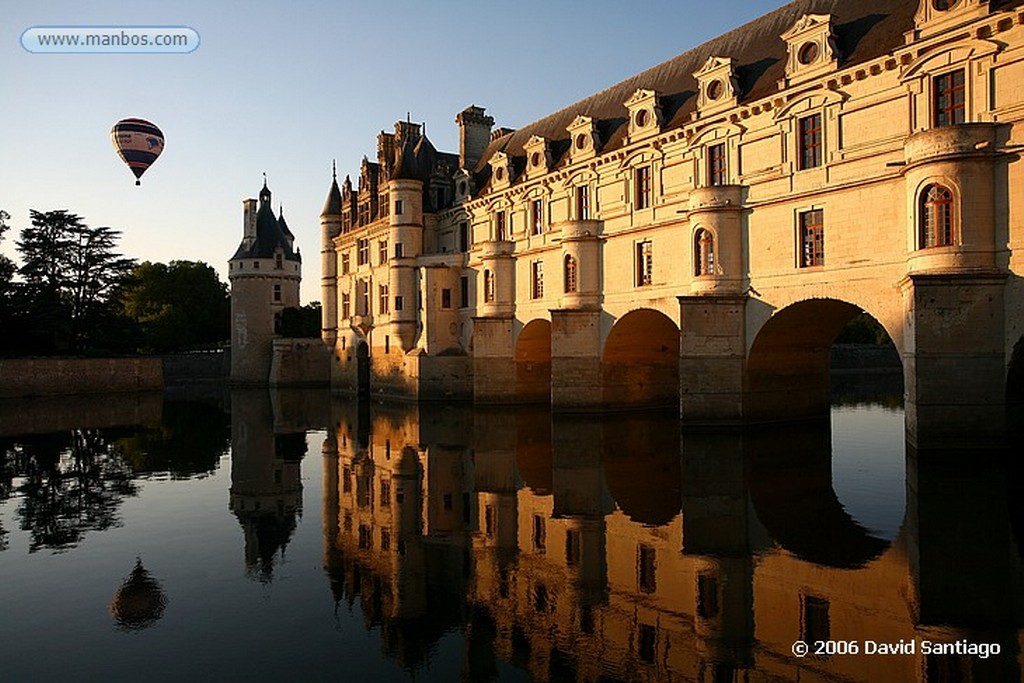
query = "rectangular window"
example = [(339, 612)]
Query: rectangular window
[(537, 280), (539, 534), (716, 165), (537, 216), (382, 291), (385, 539), (363, 292), (645, 568), (707, 597), (384, 205), (647, 643), (643, 187), (398, 250), (277, 292), (278, 261), (346, 306), (644, 263), (489, 520), (500, 229), (572, 547), (382, 252), (399, 302), (463, 236), (814, 621), (385, 493), (345, 263), (812, 238), (363, 252), (463, 292), (810, 141), (398, 207), (488, 286), (446, 298), (583, 203), (949, 108)]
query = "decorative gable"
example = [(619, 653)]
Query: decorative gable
[(538, 155), (464, 185), (935, 16), (583, 138), (718, 89), (501, 171), (812, 49), (644, 114)]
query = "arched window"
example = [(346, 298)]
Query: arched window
[(488, 286), (704, 250), (936, 217), (570, 274)]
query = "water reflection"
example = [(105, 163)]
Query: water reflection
[(613, 549), (139, 602), (266, 483), (74, 481)]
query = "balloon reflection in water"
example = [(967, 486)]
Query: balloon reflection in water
[(139, 602)]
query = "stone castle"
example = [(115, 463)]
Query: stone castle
[(700, 232)]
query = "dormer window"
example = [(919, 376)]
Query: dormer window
[(812, 49), (935, 16), (644, 114), (717, 87), (583, 133), (538, 156)]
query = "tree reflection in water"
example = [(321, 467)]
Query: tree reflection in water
[(69, 484)]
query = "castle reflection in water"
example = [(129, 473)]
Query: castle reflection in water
[(614, 548)]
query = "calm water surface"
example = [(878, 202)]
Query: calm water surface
[(289, 536)]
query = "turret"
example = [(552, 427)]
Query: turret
[(330, 227), (405, 235)]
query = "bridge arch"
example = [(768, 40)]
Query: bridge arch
[(788, 362), (640, 360), (533, 362)]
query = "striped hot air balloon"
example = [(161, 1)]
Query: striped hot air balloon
[(138, 142)]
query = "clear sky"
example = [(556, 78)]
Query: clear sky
[(284, 88)]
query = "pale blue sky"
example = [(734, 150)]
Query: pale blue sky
[(285, 87)]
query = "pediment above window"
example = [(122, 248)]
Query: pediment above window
[(812, 49), (717, 87), (538, 155), (935, 16), (644, 114), (583, 138), (501, 171)]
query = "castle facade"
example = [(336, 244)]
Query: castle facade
[(700, 232)]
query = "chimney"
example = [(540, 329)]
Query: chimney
[(249, 219), (474, 135)]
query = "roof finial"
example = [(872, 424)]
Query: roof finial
[(264, 180), (334, 169), (408, 117), (280, 210)]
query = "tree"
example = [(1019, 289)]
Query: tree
[(301, 322), (178, 305), (7, 269), (69, 272)]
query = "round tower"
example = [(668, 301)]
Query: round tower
[(265, 274), (330, 227), (405, 235)]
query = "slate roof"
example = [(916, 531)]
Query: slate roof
[(271, 233), (865, 30)]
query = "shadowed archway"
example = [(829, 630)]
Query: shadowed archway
[(640, 363), (789, 361), (533, 363)]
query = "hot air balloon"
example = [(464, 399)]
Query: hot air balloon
[(138, 142)]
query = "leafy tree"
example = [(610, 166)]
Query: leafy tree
[(69, 272), (301, 322), (7, 270), (175, 306)]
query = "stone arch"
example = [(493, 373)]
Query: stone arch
[(533, 362), (787, 374), (640, 361)]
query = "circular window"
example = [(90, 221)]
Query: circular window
[(462, 187), (943, 5), (535, 159), (808, 53), (500, 173), (715, 89), (641, 118), (581, 141)]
